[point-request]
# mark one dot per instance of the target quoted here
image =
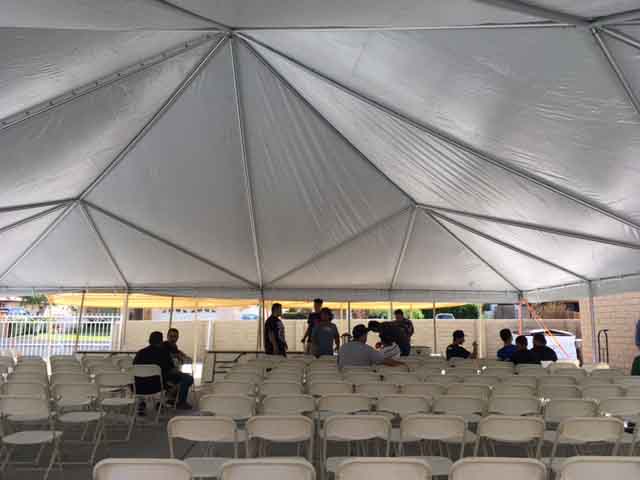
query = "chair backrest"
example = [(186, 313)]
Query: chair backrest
[(513, 390), (601, 392), (30, 359), (25, 388), (468, 390), (620, 407), (590, 380), (329, 388), (276, 387), (68, 393), (493, 468), (7, 361), (268, 469), (559, 391), (401, 378), (627, 381), (288, 404), (357, 427), (591, 429), (454, 405), (280, 428), (233, 406), (376, 468), (324, 377), (69, 378), (557, 410), (608, 372), (510, 429), (244, 377), (631, 391), (28, 377), (146, 371), (202, 429), (433, 427), (35, 368), (124, 363), (376, 389), (514, 405), (597, 468), (532, 371), (463, 372), (403, 405), (520, 380), (113, 380), (556, 380), (482, 380), (21, 406), (431, 390), (344, 403), (575, 373), (362, 377), (230, 388), (141, 469), (284, 376), (447, 379)]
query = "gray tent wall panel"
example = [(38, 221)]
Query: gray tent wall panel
[(57, 154), (261, 13), (145, 261), (42, 64), (193, 182), (436, 260), (549, 111), (97, 15), (71, 255), (437, 173), (312, 190)]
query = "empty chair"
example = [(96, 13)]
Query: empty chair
[(373, 468), (601, 392), (443, 379), (74, 395), (558, 410), (324, 377), (469, 390), (40, 368), (597, 468), (275, 387), (284, 376), (591, 380), (57, 378), (205, 431), (343, 404), (296, 429), (425, 373), (520, 380), (514, 405), (268, 469), (463, 372), (498, 468), (403, 405), (626, 409), (482, 380), (536, 371), (608, 373), (470, 408), (551, 392), (401, 378), (556, 380), (25, 389), (627, 381), (513, 390), (287, 404), (115, 394), (525, 431), (376, 389), (430, 390), (229, 388), (29, 377), (238, 407), (329, 388), (438, 429), (362, 377), (575, 373), (243, 377), (141, 469)]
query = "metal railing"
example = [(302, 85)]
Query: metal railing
[(46, 335)]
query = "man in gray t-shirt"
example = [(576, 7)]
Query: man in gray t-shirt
[(358, 354), (324, 335)]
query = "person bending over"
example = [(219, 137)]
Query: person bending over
[(522, 353), (183, 381), (456, 350), (394, 332), (509, 348), (540, 351), (357, 353)]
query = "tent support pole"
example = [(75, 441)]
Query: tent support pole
[(349, 316), (403, 249), (171, 312), (124, 319), (449, 139), (617, 70), (261, 315), (196, 338), (79, 322), (593, 324), (435, 329)]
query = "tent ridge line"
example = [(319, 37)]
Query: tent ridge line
[(108, 80), (315, 258), (407, 28), (32, 218), (324, 119), (193, 14), (166, 106), (169, 243), (471, 250), (54, 223), (537, 11), (450, 140), (27, 206), (617, 70), (103, 243), (403, 249), (245, 164), (509, 246), (534, 226), (620, 17)]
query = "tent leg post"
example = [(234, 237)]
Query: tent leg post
[(592, 324)]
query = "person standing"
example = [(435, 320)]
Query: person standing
[(325, 335), (407, 326), (508, 348), (312, 321), (456, 350), (274, 335)]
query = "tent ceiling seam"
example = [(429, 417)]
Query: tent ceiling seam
[(31, 218), (430, 215), (193, 14), (409, 28), (332, 249), (449, 139), (616, 18), (403, 249), (535, 227), (110, 79), (245, 164), (94, 228), (27, 206), (509, 246), (169, 243), (324, 119), (617, 70), (537, 11)]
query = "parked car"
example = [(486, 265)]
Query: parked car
[(445, 316), (562, 342)]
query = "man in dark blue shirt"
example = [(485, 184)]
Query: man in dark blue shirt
[(509, 348), (456, 350), (540, 351)]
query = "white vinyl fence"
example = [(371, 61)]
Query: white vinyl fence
[(46, 335)]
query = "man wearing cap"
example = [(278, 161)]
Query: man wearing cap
[(357, 353), (456, 350)]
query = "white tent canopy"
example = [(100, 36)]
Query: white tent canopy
[(473, 150)]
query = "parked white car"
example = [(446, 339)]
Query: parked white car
[(445, 316)]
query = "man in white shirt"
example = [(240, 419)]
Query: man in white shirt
[(357, 353)]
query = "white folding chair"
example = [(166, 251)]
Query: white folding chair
[(470, 408), (228, 388), (513, 390), (318, 389), (25, 389), (429, 390), (591, 380), (403, 405), (434, 435), (514, 405), (31, 368), (463, 372), (524, 431), (628, 410), (206, 433), (608, 373), (116, 393), (79, 377), (288, 404), (556, 380), (243, 377), (552, 392), (598, 468), (268, 469), (443, 379), (520, 380), (627, 381), (498, 468), (141, 469), (469, 390), (276, 387), (558, 410), (18, 411), (487, 380), (348, 429), (362, 377), (29, 377), (373, 468), (401, 378), (238, 407), (376, 389), (601, 392), (291, 429)]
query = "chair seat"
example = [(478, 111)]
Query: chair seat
[(117, 402), (31, 437), (28, 418), (550, 437), (80, 417), (470, 438), (73, 403), (440, 466), (557, 463), (333, 462), (206, 467)]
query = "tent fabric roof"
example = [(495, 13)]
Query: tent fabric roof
[(467, 150)]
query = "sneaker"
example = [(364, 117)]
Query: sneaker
[(184, 406)]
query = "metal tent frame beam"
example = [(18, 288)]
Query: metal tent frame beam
[(186, 11), (623, 37), (617, 18), (451, 140), (387, 28), (537, 11), (28, 206), (31, 218), (403, 250)]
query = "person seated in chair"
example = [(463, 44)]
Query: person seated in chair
[(522, 354), (456, 350), (183, 381), (540, 351)]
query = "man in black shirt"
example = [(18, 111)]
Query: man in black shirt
[(274, 337), (540, 351), (407, 326), (392, 332), (312, 321), (456, 350), (522, 355)]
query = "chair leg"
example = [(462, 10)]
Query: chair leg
[(52, 460)]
